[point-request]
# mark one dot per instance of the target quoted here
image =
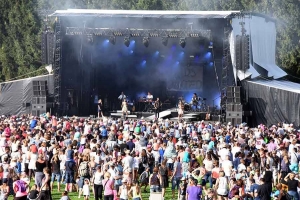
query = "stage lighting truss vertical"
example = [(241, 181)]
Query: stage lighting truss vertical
[(57, 64), (226, 65)]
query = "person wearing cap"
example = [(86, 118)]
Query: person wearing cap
[(123, 190)]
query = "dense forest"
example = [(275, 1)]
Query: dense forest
[(22, 21)]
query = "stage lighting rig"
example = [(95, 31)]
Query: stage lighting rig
[(146, 41), (182, 42), (164, 40), (112, 40), (127, 41)]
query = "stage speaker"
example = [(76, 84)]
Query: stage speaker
[(47, 47), (234, 107), (233, 94), (234, 121), (234, 114), (39, 88), (38, 105)]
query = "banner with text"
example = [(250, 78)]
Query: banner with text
[(188, 78)]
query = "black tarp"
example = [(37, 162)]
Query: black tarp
[(273, 101), (15, 94)]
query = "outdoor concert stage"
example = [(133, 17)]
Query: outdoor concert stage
[(171, 54), (171, 114)]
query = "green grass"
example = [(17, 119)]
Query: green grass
[(74, 195)]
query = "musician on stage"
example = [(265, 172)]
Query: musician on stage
[(100, 108), (180, 109), (124, 109), (157, 105), (122, 96), (149, 97), (195, 102)]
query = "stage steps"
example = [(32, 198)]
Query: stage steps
[(162, 114), (119, 115)]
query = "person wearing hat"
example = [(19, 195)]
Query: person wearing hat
[(123, 190)]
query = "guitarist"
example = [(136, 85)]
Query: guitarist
[(157, 105)]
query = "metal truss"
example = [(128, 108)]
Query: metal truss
[(171, 33), (57, 64)]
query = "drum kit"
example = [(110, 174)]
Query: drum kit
[(197, 105)]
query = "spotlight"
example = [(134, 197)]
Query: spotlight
[(112, 40), (164, 40), (127, 41), (182, 42), (146, 41)]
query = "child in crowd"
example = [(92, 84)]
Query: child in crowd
[(86, 189), (65, 196), (33, 194)]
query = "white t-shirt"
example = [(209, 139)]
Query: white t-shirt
[(259, 143), (235, 150), (208, 165), (127, 162), (223, 153), (227, 166)]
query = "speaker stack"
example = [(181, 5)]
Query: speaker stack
[(234, 108), (39, 99)]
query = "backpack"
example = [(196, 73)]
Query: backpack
[(84, 169), (21, 186), (233, 191), (151, 159)]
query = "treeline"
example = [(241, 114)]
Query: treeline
[(22, 21)]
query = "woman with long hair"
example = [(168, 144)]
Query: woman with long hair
[(222, 186), (180, 109), (124, 109), (39, 175), (97, 179), (163, 172), (55, 165), (154, 181), (108, 186), (45, 193), (100, 108), (136, 191)]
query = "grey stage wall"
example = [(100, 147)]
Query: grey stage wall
[(16, 93), (271, 105)]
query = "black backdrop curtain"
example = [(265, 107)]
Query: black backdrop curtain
[(271, 105)]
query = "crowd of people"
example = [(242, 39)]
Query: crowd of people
[(122, 159)]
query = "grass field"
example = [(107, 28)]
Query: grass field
[(74, 195)]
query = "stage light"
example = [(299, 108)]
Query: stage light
[(211, 64), (112, 40), (164, 40), (127, 41), (146, 41), (182, 42), (177, 63), (131, 52), (211, 45)]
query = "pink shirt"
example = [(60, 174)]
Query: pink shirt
[(108, 184)]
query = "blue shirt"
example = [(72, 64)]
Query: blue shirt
[(254, 187), (33, 123), (104, 133), (227, 139)]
